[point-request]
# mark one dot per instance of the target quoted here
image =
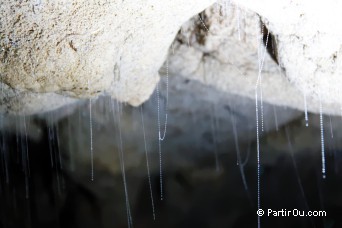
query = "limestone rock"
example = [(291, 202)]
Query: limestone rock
[(225, 47), (309, 46), (84, 48), (80, 49), (28, 103)]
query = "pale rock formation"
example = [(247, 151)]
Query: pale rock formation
[(224, 48), (50, 50), (84, 48), (309, 46)]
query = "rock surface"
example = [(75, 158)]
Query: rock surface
[(225, 47), (80, 49), (84, 48), (309, 46)]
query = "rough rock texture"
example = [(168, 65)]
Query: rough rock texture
[(225, 47), (309, 45), (83, 48), (24, 102)]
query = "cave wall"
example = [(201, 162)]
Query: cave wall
[(54, 53)]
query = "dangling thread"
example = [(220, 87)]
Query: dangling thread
[(322, 137)]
